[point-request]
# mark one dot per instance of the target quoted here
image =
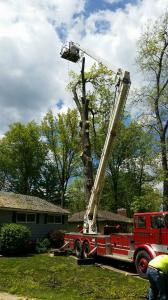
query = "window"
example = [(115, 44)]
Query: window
[(31, 218), (50, 219), (157, 222), (21, 218), (25, 218), (54, 219), (58, 219), (140, 222), (166, 220)]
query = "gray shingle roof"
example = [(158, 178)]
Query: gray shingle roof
[(103, 215), (30, 203)]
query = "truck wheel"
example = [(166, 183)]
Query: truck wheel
[(78, 249), (86, 249), (141, 262)]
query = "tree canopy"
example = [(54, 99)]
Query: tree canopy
[(46, 159), (22, 158), (153, 62)]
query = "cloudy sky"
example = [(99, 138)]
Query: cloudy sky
[(33, 77)]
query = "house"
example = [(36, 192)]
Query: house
[(38, 214), (104, 219)]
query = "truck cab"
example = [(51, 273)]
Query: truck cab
[(150, 238), (151, 228)]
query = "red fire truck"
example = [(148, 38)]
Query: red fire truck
[(149, 236)]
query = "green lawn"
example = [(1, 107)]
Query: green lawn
[(45, 277)]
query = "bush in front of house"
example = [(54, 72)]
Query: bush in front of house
[(56, 238), (43, 245), (14, 239), (31, 246)]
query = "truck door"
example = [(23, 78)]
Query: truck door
[(159, 231), (141, 232), (165, 231), (157, 228)]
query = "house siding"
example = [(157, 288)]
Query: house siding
[(5, 217), (39, 230)]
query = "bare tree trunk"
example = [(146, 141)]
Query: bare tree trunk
[(83, 108), (162, 134), (85, 139), (165, 172)]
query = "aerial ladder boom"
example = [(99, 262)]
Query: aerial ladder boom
[(72, 53), (91, 212)]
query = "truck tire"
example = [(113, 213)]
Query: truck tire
[(78, 249), (86, 249), (141, 262), (85, 261)]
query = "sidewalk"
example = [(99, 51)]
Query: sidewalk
[(6, 296)]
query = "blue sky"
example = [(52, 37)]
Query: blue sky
[(99, 5), (33, 77)]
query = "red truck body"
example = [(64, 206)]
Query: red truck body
[(148, 239)]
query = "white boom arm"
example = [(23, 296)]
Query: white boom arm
[(72, 53), (91, 212)]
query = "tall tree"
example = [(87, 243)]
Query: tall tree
[(75, 196), (90, 89), (131, 155), (22, 158), (61, 134), (153, 61), (48, 185)]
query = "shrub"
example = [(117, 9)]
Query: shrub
[(31, 246), (14, 238), (56, 238), (43, 246)]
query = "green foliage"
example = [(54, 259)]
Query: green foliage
[(150, 200), (48, 184), (75, 196), (92, 93), (43, 245), (22, 158), (14, 239), (39, 160), (129, 166), (153, 62), (100, 95), (62, 138), (154, 36)]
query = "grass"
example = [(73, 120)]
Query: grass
[(60, 278)]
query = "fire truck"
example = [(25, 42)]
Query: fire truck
[(149, 236)]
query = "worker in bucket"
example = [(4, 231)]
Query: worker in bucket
[(157, 273)]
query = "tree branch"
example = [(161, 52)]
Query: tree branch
[(165, 128)]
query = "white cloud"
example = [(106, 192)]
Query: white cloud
[(33, 77), (31, 74), (118, 45)]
